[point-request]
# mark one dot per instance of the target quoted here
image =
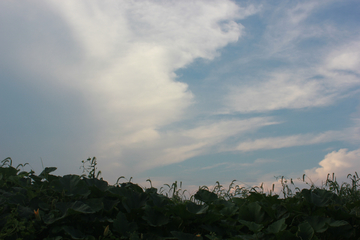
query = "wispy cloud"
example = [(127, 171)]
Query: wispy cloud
[(208, 137), (306, 79), (214, 166), (298, 140), (288, 27)]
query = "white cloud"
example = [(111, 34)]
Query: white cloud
[(186, 30), (349, 134), (342, 163), (131, 51), (345, 58), (287, 27), (219, 130), (134, 89), (120, 57), (321, 85), (311, 77), (282, 90), (177, 146), (214, 166)]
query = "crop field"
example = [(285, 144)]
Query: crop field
[(52, 207)]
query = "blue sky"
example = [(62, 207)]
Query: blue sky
[(191, 91)]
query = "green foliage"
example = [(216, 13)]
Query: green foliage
[(86, 207)]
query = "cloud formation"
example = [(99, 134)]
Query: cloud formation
[(349, 134), (99, 78), (119, 58), (341, 162), (139, 46), (305, 80), (336, 78)]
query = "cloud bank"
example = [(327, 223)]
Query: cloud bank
[(99, 78), (119, 59)]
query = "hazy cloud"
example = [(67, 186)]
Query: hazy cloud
[(298, 140), (178, 145), (335, 75), (98, 78)]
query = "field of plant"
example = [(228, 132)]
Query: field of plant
[(52, 207)]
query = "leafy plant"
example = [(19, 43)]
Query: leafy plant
[(86, 207)]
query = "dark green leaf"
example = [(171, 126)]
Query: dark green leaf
[(77, 206), (99, 184), (186, 236), (228, 209), (254, 227), (196, 209), (74, 233), (72, 185), (122, 225), (46, 171), (305, 231), (337, 223), (206, 196), (318, 223), (25, 212), (154, 218), (318, 197), (277, 226), (134, 200), (286, 235), (252, 212)]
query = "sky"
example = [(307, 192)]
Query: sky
[(188, 91)]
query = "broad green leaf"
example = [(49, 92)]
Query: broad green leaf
[(318, 197), (180, 211), (25, 212), (337, 223), (76, 206), (159, 200), (119, 191), (53, 216), (277, 226), (286, 235), (196, 209), (74, 233), (122, 225), (132, 186), (99, 184), (134, 200), (318, 223), (256, 211), (8, 171), (254, 227), (46, 171), (212, 237), (252, 212), (229, 209), (96, 204), (254, 236), (305, 231), (109, 204), (186, 236), (71, 185), (205, 196), (154, 218)]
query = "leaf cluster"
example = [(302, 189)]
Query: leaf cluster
[(84, 207)]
